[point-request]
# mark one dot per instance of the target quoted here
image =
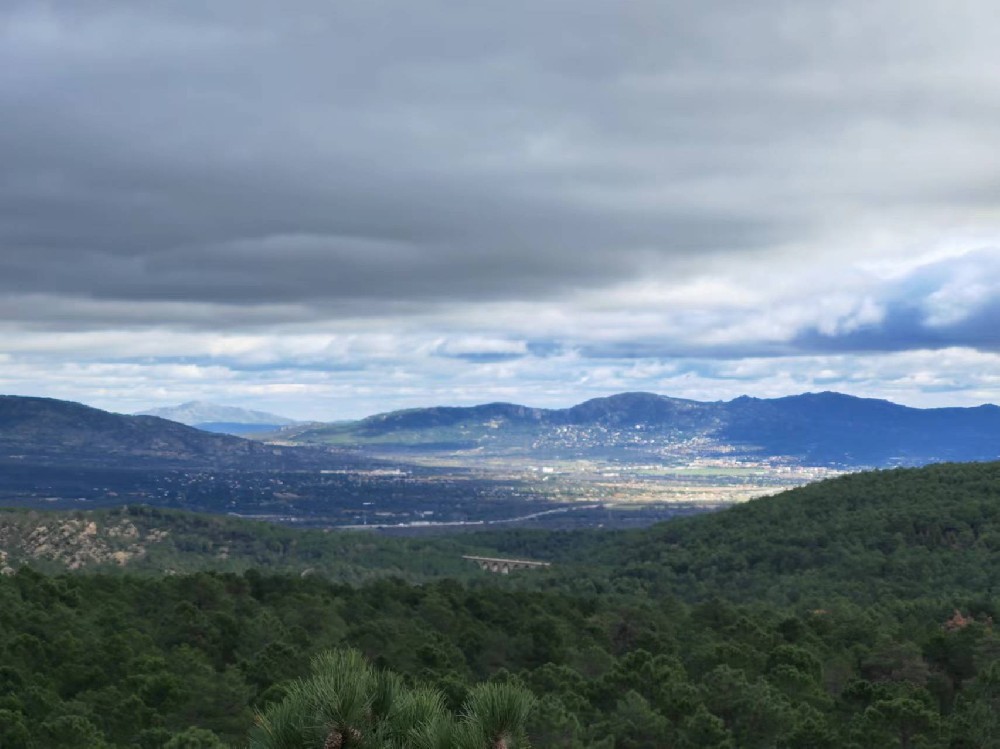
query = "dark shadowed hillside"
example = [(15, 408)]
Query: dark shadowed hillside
[(47, 431)]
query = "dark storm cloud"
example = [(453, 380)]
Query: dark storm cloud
[(955, 302), (905, 328), (341, 157)]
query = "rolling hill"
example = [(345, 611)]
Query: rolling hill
[(928, 532)]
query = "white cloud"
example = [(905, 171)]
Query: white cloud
[(957, 300), (472, 345)]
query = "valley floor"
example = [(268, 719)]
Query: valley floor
[(434, 493)]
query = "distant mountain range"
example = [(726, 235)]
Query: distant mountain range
[(211, 417), (822, 429), (45, 431), (829, 429)]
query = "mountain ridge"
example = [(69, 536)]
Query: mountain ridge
[(825, 428)]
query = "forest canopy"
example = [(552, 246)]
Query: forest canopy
[(852, 613)]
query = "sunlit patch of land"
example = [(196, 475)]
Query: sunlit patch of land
[(706, 483)]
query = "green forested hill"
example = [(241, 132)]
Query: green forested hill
[(905, 533), (856, 613), (933, 531)]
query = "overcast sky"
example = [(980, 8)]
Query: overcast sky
[(330, 209)]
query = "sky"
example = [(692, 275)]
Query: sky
[(328, 210)]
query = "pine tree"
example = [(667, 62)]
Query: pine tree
[(347, 704)]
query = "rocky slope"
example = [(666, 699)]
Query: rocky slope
[(149, 540)]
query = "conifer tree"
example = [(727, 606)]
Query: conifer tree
[(347, 704)]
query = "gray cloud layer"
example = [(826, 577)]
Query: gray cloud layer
[(361, 152), (495, 182)]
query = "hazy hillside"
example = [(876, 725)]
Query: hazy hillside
[(211, 417), (810, 429)]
